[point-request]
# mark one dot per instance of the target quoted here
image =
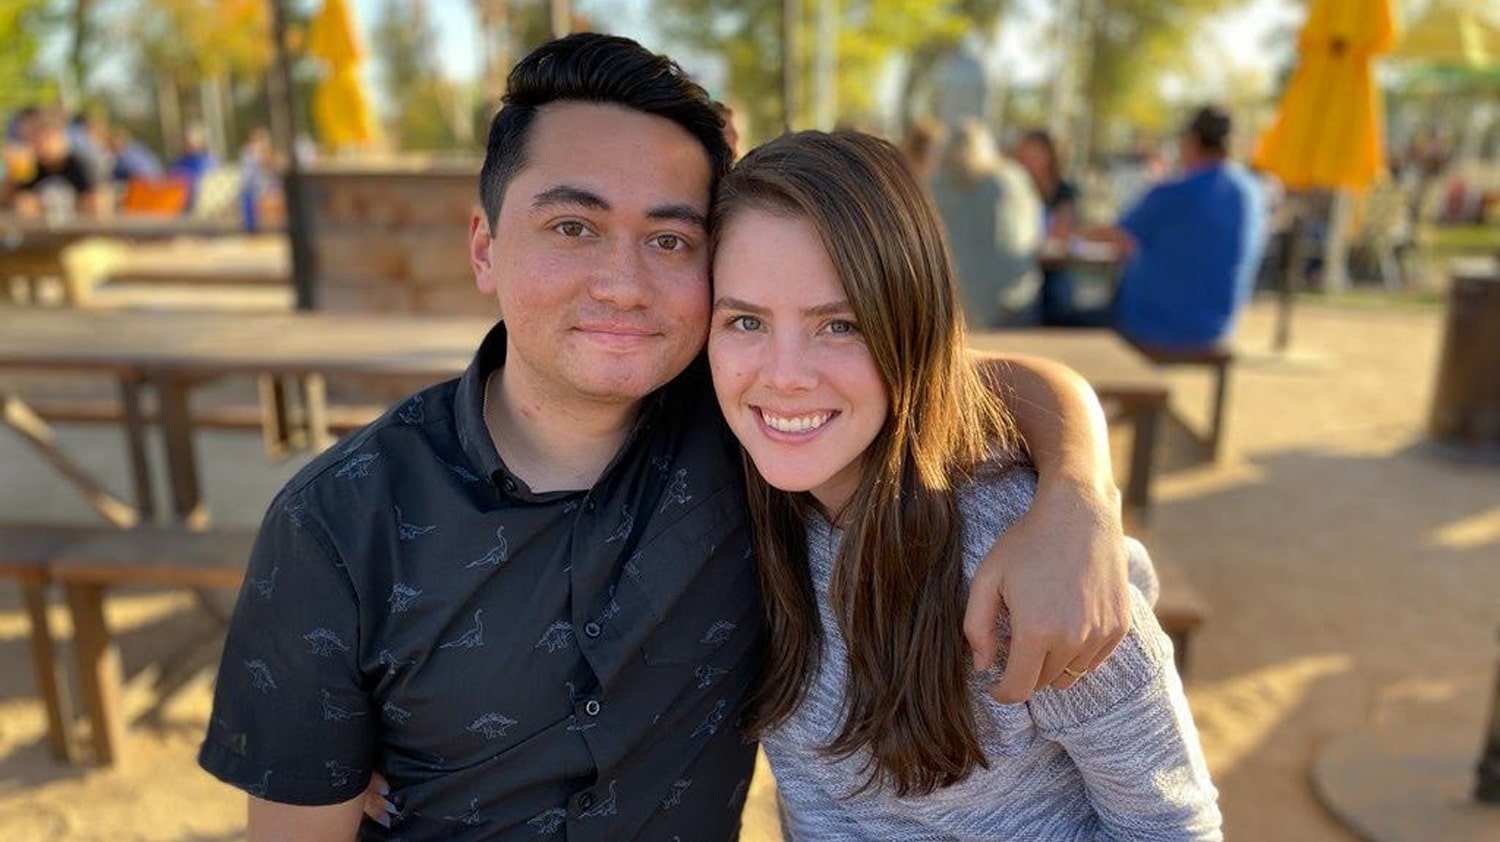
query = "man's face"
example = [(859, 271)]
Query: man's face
[(599, 255)]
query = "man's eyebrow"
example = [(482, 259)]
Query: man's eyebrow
[(680, 213), (565, 194)]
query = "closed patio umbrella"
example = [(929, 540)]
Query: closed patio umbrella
[(1327, 132), (340, 107), (1453, 35)]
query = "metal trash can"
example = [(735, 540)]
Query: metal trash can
[(1466, 401)]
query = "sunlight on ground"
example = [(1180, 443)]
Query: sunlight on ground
[(126, 611), (1235, 716), (1470, 533)]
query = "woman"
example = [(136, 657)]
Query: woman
[(992, 218), (837, 347), (1037, 152)]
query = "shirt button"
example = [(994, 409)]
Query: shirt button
[(591, 707), (592, 629), (586, 800), (510, 485), (588, 505)]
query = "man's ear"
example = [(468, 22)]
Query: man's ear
[(479, 251)]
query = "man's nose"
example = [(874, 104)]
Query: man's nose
[(626, 281)]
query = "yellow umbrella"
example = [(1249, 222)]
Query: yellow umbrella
[(1453, 35), (1327, 132), (340, 106)]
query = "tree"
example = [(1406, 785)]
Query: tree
[(430, 112), (748, 34), (1130, 44), (24, 25)]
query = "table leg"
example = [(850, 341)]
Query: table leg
[(51, 678), (1142, 458), (275, 422), (99, 673), (135, 445), (182, 458), (315, 411), (15, 413)]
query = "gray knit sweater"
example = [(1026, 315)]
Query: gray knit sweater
[(1116, 756)]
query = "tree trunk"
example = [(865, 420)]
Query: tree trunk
[(169, 114)]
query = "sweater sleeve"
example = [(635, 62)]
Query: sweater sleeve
[(1128, 729)]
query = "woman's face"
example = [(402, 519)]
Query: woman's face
[(791, 369), (1033, 156)]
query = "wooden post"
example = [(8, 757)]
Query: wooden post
[(1487, 783), (791, 67), (1466, 400), (298, 219)]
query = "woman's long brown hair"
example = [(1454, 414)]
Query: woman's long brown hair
[(898, 581)]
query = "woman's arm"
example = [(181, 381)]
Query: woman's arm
[(1131, 735), (1061, 570)]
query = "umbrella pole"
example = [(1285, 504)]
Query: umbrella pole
[(299, 221), (1288, 273)]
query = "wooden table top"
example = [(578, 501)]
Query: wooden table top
[(1108, 362), (205, 343), (213, 343), (36, 234)]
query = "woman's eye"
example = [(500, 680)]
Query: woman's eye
[(746, 323), (841, 327)]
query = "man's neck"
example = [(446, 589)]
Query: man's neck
[(552, 444)]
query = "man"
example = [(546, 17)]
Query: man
[(1194, 243), (527, 595)]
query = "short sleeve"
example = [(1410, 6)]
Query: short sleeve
[(291, 720), (1143, 219)]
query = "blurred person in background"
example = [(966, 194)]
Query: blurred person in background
[(195, 162), (132, 159), (921, 147), (1193, 244), (61, 181), (993, 221), (1037, 152)]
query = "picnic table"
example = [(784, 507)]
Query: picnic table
[(32, 250), (170, 353), (1118, 373)]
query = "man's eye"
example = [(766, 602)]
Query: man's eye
[(570, 229), (670, 242)]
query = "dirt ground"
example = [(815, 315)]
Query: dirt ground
[(1347, 567)]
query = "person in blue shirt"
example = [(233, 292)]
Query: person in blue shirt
[(1192, 245)]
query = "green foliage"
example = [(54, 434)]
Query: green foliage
[(24, 24), (1133, 43), (748, 34), (404, 42)]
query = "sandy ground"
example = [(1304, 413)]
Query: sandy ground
[(1347, 568)]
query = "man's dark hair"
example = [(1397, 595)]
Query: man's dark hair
[(589, 67), (1210, 127)]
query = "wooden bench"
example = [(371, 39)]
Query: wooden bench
[(25, 553), (86, 562), (1179, 609), (1219, 359)]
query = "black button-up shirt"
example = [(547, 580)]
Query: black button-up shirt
[(519, 665)]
